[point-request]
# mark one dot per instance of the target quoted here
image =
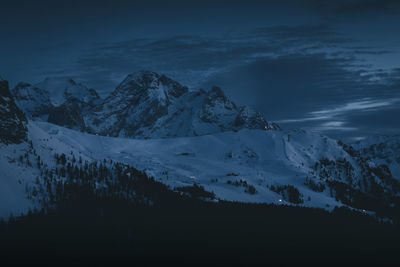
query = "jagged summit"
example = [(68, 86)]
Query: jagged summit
[(22, 85), (61, 89), (57, 100), (52, 92), (151, 83), (143, 78), (216, 92), (34, 101)]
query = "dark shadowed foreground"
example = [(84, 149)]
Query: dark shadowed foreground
[(158, 226)]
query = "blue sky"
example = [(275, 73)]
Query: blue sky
[(331, 66)]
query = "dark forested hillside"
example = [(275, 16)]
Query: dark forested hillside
[(106, 212)]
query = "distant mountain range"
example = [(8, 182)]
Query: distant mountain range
[(195, 137), (144, 105)]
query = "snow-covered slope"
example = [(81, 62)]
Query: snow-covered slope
[(13, 134), (23, 164), (227, 163), (258, 158), (281, 167)]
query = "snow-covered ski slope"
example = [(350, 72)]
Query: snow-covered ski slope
[(226, 163), (261, 158)]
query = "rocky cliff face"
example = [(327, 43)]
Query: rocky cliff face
[(138, 102), (62, 89), (12, 119), (34, 101), (69, 114)]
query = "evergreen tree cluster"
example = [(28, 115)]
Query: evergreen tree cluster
[(76, 181), (289, 193), (374, 188), (315, 186), (250, 189), (104, 212), (196, 191)]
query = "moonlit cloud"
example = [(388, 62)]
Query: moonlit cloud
[(339, 118), (333, 124), (360, 105), (194, 59)]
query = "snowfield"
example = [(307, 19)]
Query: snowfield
[(248, 157), (13, 178), (258, 157)]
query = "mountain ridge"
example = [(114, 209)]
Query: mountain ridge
[(144, 105)]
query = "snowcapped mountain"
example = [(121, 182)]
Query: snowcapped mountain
[(137, 102), (144, 105), (227, 149), (35, 102), (12, 120), (62, 89), (149, 105), (58, 100)]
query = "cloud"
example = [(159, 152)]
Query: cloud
[(359, 105), (194, 59), (334, 124), (347, 109), (355, 118)]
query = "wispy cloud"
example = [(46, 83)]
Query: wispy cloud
[(331, 113), (194, 59), (340, 118), (359, 105)]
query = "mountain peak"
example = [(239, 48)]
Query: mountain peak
[(143, 78), (144, 73), (22, 85), (59, 100), (217, 91), (217, 94), (144, 81), (61, 89)]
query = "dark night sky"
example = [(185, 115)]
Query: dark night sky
[(332, 66)]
